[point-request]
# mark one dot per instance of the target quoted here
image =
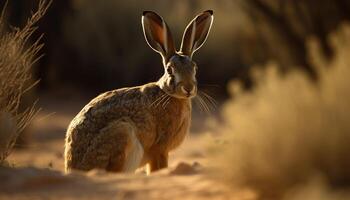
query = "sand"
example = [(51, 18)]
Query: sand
[(37, 171)]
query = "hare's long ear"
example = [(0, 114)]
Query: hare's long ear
[(158, 35), (196, 33)]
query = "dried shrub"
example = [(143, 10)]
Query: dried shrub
[(290, 138), (17, 57)]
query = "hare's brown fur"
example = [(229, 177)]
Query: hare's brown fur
[(97, 137), (124, 129)]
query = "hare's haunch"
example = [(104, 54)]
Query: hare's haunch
[(123, 129)]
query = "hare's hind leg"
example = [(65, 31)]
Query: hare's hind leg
[(116, 148), (134, 152), (158, 161)]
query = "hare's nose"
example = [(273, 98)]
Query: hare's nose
[(188, 89)]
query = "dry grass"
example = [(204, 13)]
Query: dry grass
[(290, 138), (16, 59)]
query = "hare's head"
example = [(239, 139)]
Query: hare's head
[(179, 79)]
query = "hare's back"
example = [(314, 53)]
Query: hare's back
[(106, 108)]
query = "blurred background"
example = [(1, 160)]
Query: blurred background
[(277, 69), (94, 46)]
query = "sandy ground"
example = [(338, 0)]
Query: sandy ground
[(38, 169)]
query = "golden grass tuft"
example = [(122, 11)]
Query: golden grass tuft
[(17, 57), (289, 138)]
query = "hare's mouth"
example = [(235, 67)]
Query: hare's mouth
[(180, 94), (190, 95), (184, 96)]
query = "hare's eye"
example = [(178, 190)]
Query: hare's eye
[(169, 70)]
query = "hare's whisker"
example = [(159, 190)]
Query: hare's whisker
[(210, 99), (205, 101), (209, 105), (205, 106), (158, 100), (161, 100), (199, 104), (166, 102)]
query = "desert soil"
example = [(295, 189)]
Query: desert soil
[(37, 168)]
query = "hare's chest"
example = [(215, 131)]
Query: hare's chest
[(174, 129)]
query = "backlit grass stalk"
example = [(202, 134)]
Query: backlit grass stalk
[(17, 56)]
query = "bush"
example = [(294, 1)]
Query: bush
[(290, 138), (16, 60)]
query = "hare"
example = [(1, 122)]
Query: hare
[(124, 129)]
